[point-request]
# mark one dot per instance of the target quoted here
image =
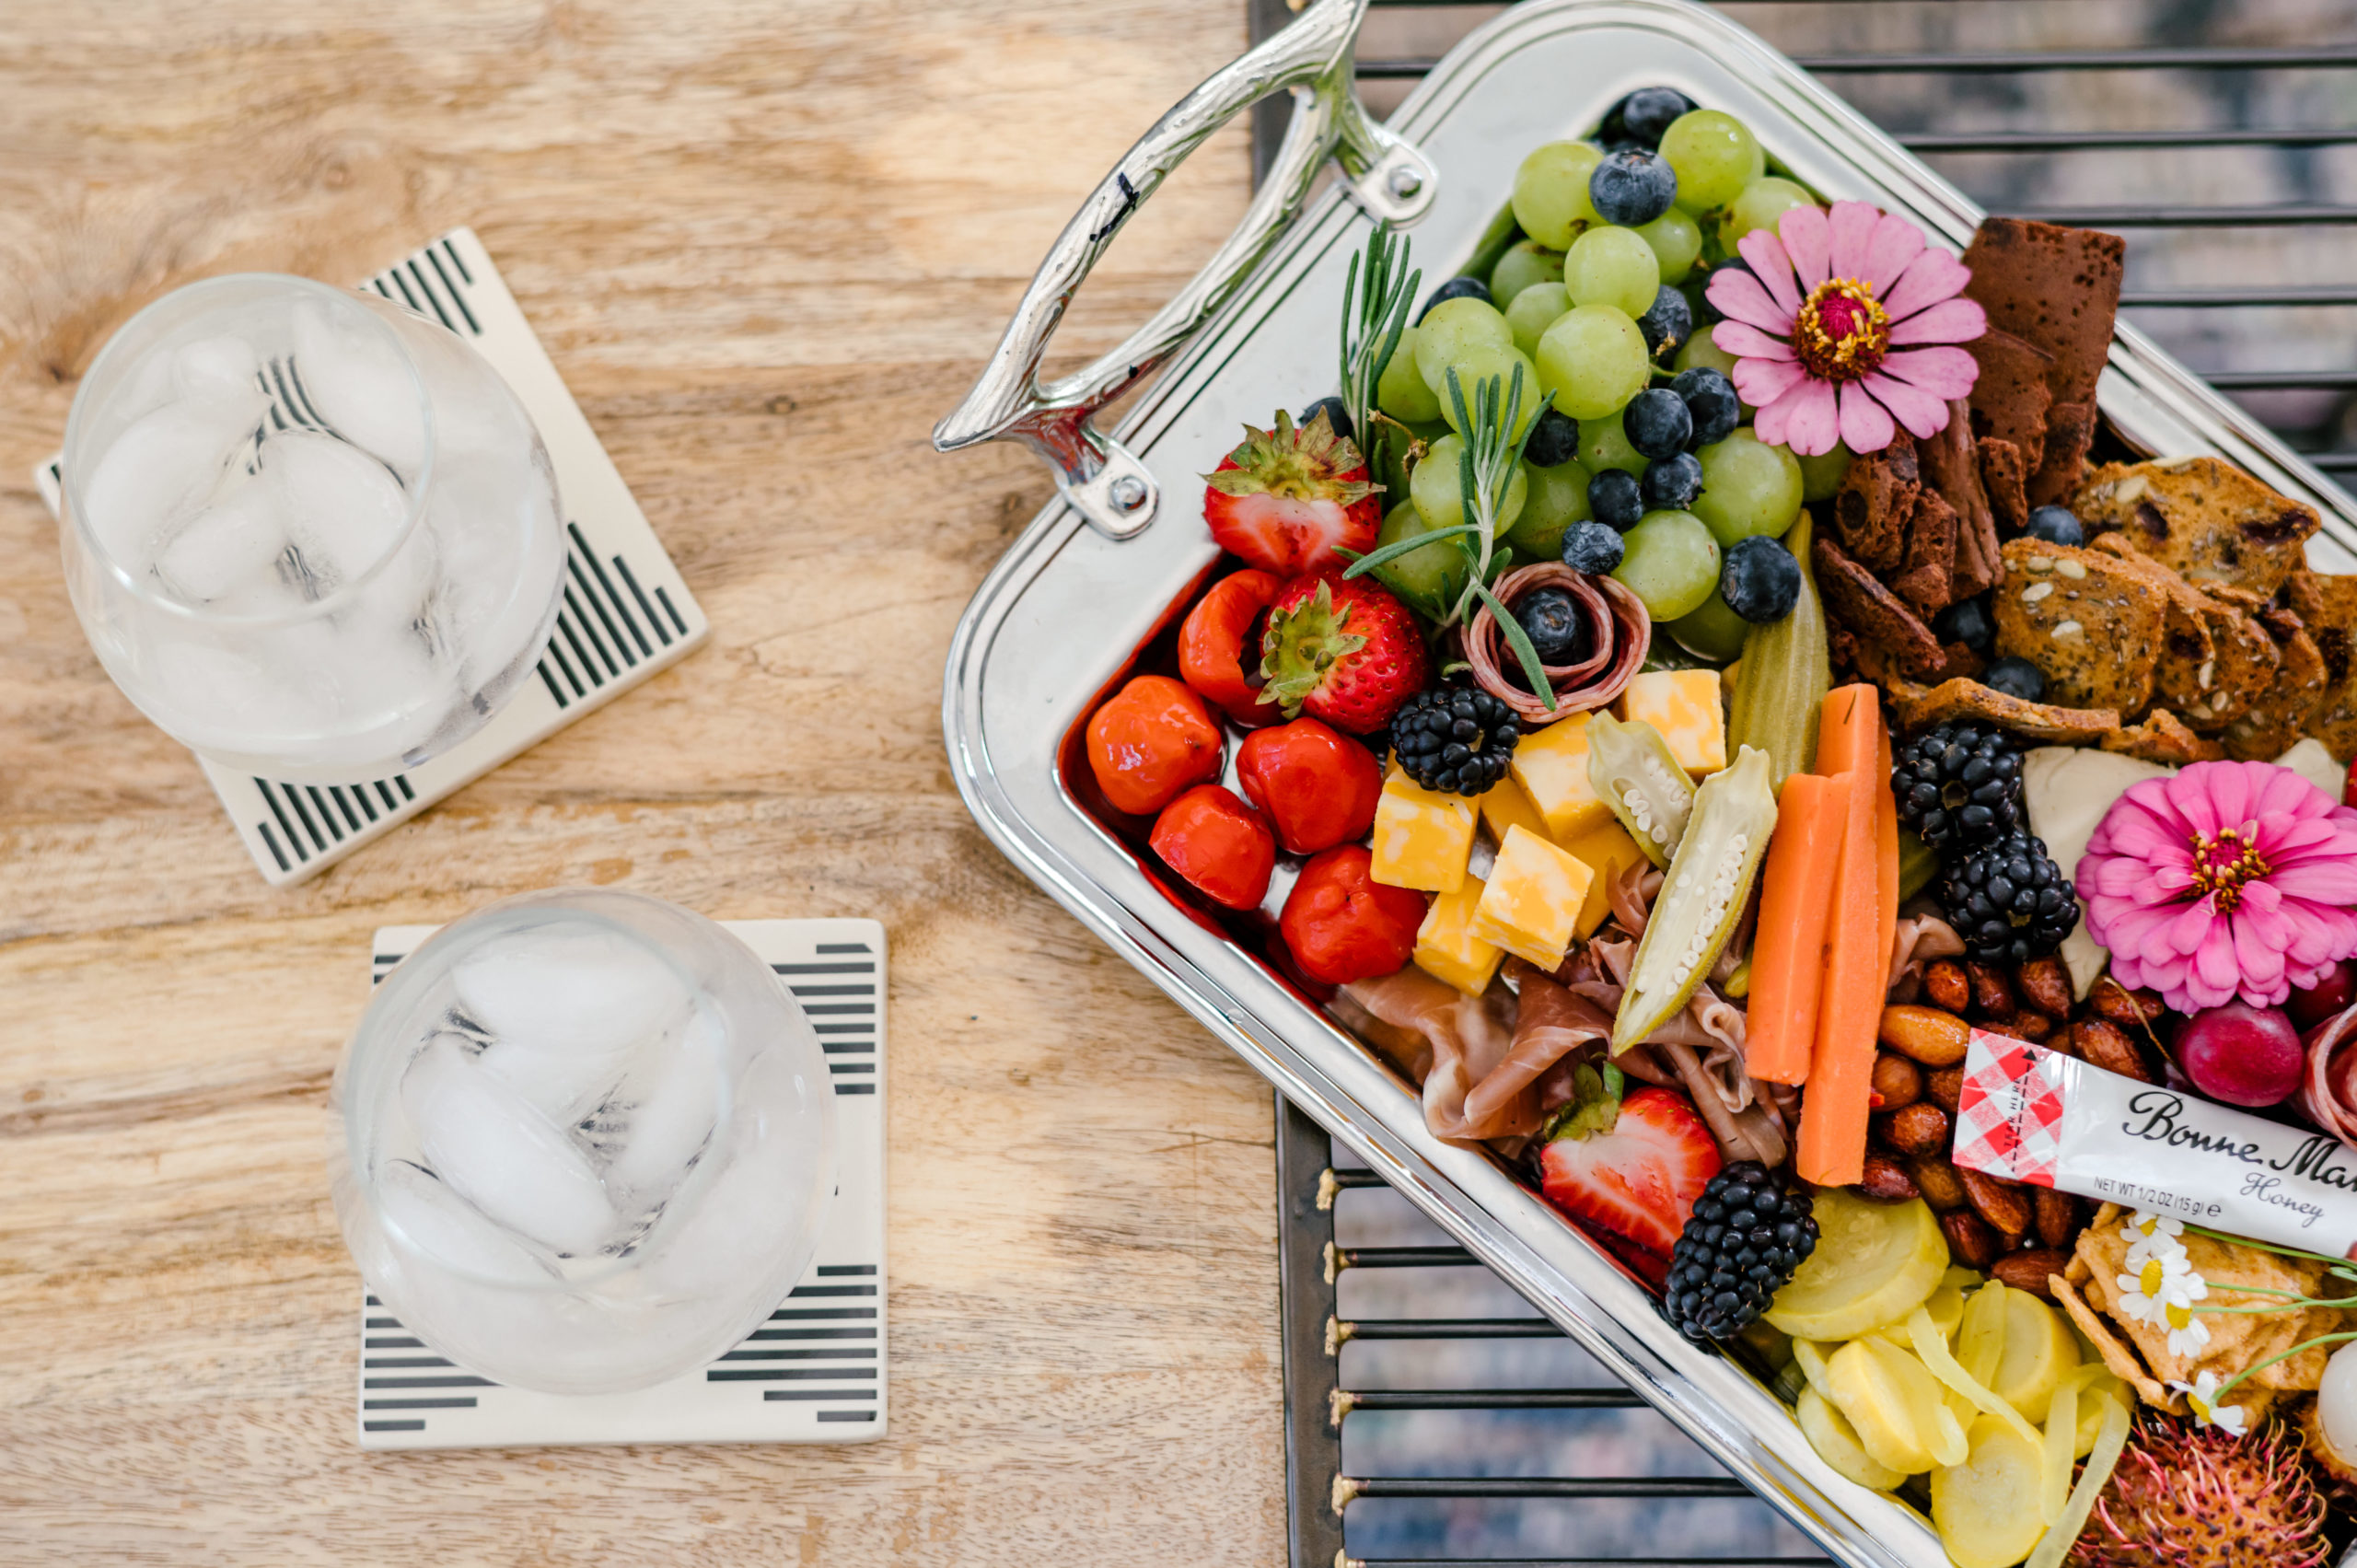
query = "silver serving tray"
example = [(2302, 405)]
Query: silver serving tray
[(1060, 619)]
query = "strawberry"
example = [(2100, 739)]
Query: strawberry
[(1641, 1179), (1343, 650), (1289, 501)]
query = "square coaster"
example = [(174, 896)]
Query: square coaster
[(626, 613), (816, 1371)]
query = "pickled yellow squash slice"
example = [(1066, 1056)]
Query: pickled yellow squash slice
[(1874, 1264)]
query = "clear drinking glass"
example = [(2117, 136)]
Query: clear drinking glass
[(585, 1141), (310, 534)]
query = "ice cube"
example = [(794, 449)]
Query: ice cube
[(346, 509), (422, 1211), (357, 381), (761, 1194), (164, 464), (500, 1153), (664, 1111), (571, 987), (212, 368), (229, 551)]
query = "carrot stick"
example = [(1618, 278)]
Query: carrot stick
[(1796, 909), (1832, 1142)]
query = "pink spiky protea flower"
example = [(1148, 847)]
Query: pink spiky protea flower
[(2227, 879), (1822, 324)]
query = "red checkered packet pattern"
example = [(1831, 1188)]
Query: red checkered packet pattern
[(2009, 1117)]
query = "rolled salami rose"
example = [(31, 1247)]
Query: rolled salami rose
[(2328, 1096), (1619, 635)]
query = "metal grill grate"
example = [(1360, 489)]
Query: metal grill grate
[(2179, 123)]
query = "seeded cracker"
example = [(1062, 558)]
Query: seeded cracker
[(2089, 621), (2327, 606), (2205, 519), (2189, 653), (2281, 717), (1961, 699), (2247, 664), (2162, 738)]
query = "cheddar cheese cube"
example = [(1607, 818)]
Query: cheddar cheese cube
[(1684, 705), (1446, 947), (1423, 838), (1551, 768), (1532, 902), (1504, 806), (1607, 850)]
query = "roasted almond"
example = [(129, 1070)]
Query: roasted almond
[(1920, 1130), (2002, 1203), (1944, 1088), (1886, 1180), (2029, 1270), (1925, 1034), (2030, 1026), (2046, 985), (1945, 985), (1938, 1182), (1992, 994), (1897, 1082), (2101, 1043), (2134, 1010), (1970, 1241), (2056, 1216)]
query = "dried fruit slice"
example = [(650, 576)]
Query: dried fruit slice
[(1874, 1264), (1987, 1507), (1835, 1441), (1702, 898), (1633, 770)]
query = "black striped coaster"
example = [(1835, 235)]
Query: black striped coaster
[(815, 1372), (626, 612)]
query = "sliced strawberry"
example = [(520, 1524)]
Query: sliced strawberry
[(1290, 501), (1343, 650), (1641, 1179)]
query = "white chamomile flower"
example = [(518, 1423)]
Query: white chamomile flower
[(2202, 1394), (2163, 1280), (2150, 1235)]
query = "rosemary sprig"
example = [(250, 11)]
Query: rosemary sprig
[(1484, 473), (1373, 318)]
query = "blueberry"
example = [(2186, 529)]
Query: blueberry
[(1760, 581), (1336, 414), (1631, 188), (1711, 402), (1614, 500), (1552, 619), (1591, 548), (1455, 288), (1554, 440), (1648, 112), (1667, 324), (1967, 621), (1656, 423), (2016, 678), (2055, 525), (1671, 483)]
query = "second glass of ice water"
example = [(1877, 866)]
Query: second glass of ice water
[(312, 535)]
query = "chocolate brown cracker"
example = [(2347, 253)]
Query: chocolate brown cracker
[(2327, 606), (1950, 466), (2070, 432), (2011, 394), (1870, 509), (2204, 519), (1961, 699), (2088, 620), (1855, 598), (2162, 738), (2056, 288), (2003, 474), (1928, 560)]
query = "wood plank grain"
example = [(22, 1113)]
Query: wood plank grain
[(766, 246)]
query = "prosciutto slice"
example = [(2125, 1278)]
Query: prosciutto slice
[(1441, 1038), (1619, 635), (2328, 1096)]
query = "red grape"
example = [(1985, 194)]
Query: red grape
[(2241, 1054)]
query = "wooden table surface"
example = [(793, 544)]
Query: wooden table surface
[(767, 245)]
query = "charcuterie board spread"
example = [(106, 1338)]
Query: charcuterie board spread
[(1713, 706)]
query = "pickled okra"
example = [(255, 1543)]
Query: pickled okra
[(1701, 897), (1633, 770)]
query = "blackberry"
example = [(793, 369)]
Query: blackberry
[(2008, 900), (1455, 739), (1957, 785), (1749, 1233)]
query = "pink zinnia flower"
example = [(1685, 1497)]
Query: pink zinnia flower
[(2227, 879), (1817, 325)]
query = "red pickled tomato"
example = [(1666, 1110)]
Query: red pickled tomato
[(1341, 924), (1214, 655), (1318, 786), (1219, 844), (1153, 740)]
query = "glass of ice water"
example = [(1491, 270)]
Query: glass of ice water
[(312, 535), (585, 1142)]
